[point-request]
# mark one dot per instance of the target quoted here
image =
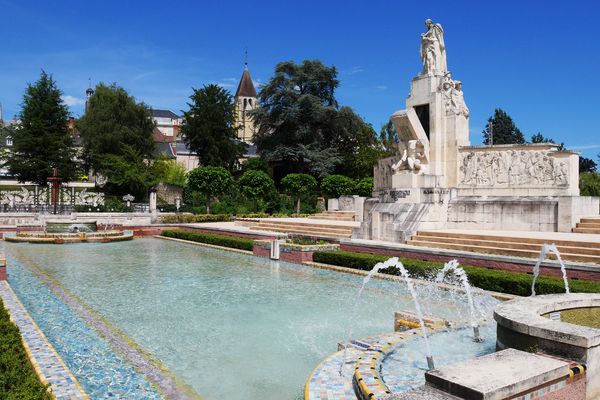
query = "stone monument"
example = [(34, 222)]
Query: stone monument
[(438, 180)]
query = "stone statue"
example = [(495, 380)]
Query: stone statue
[(412, 157), (454, 99), (433, 49)]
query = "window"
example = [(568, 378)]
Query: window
[(9, 141)]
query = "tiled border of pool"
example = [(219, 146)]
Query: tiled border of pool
[(152, 369), (47, 363)]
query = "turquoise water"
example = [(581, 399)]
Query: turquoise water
[(101, 373), (232, 326), (403, 369)]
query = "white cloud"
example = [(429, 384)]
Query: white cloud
[(72, 101), (355, 70), (586, 147)]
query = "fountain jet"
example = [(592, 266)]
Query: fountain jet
[(547, 248), (460, 273)]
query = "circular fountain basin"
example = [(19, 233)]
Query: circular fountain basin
[(403, 367), (61, 238), (536, 324)]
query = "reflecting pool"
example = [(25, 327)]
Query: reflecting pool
[(230, 325)]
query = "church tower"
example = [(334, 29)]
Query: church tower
[(245, 101)]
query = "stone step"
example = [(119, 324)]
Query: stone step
[(588, 224), (334, 217), (590, 220), (513, 239), (308, 232), (509, 245), (305, 224), (516, 252), (327, 228), (587, 230)]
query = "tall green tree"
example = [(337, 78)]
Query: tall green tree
[(301, 127), (117, 137), (209, 128), (503, 129), (42, 139)]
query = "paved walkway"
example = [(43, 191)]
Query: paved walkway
[(47, 363)]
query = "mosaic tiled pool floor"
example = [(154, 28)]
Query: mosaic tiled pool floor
[(102, 373), (47, 363)]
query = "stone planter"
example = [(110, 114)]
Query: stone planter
[(290, 252)]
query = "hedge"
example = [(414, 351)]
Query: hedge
[(194, 218), (218, 240), (18, 379), (198, 218), (489, 279)]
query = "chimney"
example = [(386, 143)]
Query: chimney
[(72, 123)]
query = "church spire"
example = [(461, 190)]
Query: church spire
[(246, 86)]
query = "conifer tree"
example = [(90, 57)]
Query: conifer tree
[(503, 129), (42, 139), (209, 128)]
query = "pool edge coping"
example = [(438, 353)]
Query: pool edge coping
[(31, 355)]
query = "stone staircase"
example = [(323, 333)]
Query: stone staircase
[(574, 251), (588, 225), (335, 215), (306, 227)]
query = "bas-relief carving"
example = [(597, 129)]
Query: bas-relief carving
[(346, 203), (512, 168), (383, 173)]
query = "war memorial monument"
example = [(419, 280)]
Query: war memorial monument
[(438, 180)]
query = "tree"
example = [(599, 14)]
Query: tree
[(301, 127), (297, 185), (587, 165), (42, 139), (256, 164), (209, 128), (210, 181), (388, 137), (255, 185), (539, 138), (128, 171), (337, 185), (589, 184), (117, 137), (364, 187), (503, 129), (171, 172)]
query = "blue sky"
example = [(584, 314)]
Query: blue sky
[(538, 60)]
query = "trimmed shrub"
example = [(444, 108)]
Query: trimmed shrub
[(210, 238), (518, 283), (18, 379), (194, 218), (364, 187), (337, 185)]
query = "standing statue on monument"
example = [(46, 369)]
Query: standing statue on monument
[(433, 49)]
